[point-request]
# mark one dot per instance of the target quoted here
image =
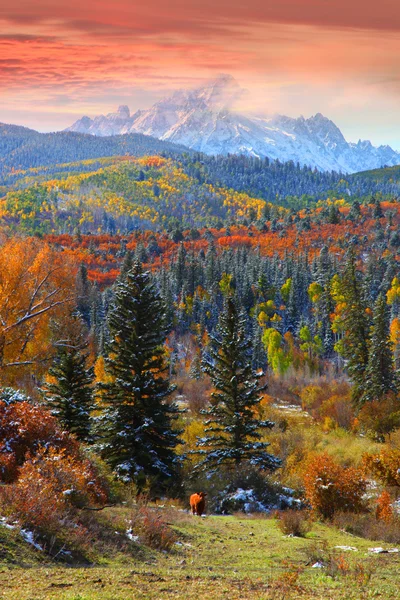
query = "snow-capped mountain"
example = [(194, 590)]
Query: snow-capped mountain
[(204, 119)]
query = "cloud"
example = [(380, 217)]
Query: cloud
[(291, 54), (158, 16)]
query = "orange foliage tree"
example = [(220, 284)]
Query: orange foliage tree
[(36, 289)]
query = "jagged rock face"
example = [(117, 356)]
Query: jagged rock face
[(204, 119)]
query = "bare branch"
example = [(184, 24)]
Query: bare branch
[(27, 317)]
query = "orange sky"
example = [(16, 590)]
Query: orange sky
[(62, 59)]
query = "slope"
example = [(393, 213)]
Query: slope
[(22, 148)]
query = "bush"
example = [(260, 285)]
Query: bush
[(339, 409), (384, 466), (24, 428), (379, 417), (329, 404), (384, 508), (330, 488), (50, 489), (245, 489), (294, 522), (151, 528)]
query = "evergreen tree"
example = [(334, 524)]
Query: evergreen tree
[(355, 211), (379, 372), (195, 367), (233, 431), (354, 346), (69, 391), (333, 215), (83, 294), (136, 426)]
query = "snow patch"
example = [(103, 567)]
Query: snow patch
[(3, 523), (30, 538), (130, 535)]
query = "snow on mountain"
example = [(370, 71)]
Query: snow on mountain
[(204, 119)]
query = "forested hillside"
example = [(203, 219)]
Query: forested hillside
[(22, 148), (287, 183)]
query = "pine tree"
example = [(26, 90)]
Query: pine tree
[(195, 367), (379, 372), (137, 436), (69, 391), (354, 346), (233, 431)]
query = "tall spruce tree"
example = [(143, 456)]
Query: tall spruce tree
[(69, 390), (136, 425), (233, 431), (379, 373), (356, 328)]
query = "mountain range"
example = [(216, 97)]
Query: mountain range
[(205, 120)]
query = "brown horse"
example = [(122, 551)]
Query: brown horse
[(198, 503)]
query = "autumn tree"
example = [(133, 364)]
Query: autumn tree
[(36, 288)]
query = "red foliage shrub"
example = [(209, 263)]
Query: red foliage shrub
[(384, 508), (24, 428), (50, 488), (330, 488), (339, 409)]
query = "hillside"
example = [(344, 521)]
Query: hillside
[(386, 175), (120, 194), (22, 148)]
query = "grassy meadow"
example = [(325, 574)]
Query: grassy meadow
[(233, 557)]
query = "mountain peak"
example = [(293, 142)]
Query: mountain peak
[(124, 111), (223, 79), (219, 93)]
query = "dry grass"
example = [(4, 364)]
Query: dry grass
[(294, 522)]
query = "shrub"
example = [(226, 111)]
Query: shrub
[(379, 417), (384, 508), (51, 487), (151, 528), (245, 489), (384, 466), (294, 522), (24, 428), (329, 404), (330, 488), (339, 409)]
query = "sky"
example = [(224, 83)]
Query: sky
[(62, 59)]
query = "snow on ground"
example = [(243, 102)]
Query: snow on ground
[(30, 538)]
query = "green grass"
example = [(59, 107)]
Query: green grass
[(220, 557)]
